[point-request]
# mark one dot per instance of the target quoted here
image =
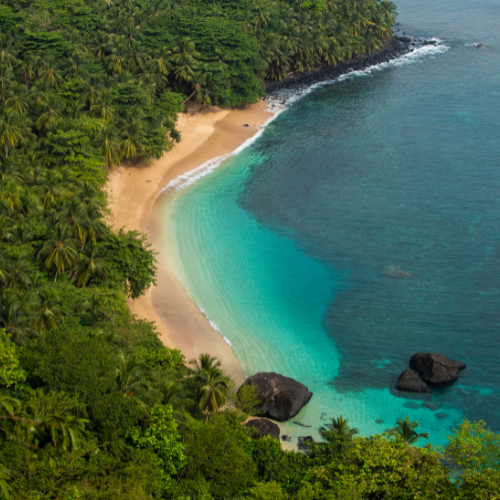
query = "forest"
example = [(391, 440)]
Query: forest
[(92, 404)]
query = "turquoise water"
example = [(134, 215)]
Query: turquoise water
[(283, 245)]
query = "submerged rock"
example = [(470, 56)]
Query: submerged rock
[(296, 422), (411, 382), (281, 398), (265, 428), (285, 437), (395, 272), (436, 369), (302, 443)]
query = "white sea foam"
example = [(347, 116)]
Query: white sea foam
[(278, 104), (215, 326)]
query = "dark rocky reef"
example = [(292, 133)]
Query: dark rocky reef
[(436, 369), (411, 382), (392, 49), (281, 397), (264, 427)]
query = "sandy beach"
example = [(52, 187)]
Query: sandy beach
[(132, 192)]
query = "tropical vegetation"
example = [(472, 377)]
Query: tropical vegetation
[(92, 404)]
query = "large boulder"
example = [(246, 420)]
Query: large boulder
[(411, 382), (281, 398), (265, 427), (436, 369)]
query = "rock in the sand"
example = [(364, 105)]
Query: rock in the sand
[(303, 441), (281, 398), (410, 381), (285, 437), (395, 272), (436, 369), (265, 428), (246, 125)]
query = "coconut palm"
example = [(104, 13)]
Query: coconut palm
[(90, 263), (132, 377), (73, 216), (51, 111), (47, 311), (59, 251), (406, 431), (338, 429), (15, 315), (11, 133), (160, 62), (212, 385)]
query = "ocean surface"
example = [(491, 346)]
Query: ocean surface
[(284, 243)]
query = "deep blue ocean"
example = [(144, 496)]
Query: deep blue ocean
[(283, 245)]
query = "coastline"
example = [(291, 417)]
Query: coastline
[(210, 133), (132, 192)]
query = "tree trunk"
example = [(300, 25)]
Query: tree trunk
[(55, 278), (6, 150)]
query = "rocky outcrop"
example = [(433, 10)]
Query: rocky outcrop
[(411, 382), (265, 428), (436, 369), (395, 272), (281, 398)]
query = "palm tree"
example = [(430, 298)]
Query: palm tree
[(10, 130), (47, 310), (174, 394), (51, 188), (339, 428), (90, 263), (73, 215), (51, 112), (132, 377), (133, 138), (15, 315), (405, 430), (103, 108), (160, 62), (59, 251), (212, 384)]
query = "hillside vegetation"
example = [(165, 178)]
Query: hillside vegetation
[(92, 405)]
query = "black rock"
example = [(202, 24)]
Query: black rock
[(246, 125), (265, 428), (281, 397), (296, 422), (302, 443), (411, 382), (479, 45), (285, 437), (436, 369)]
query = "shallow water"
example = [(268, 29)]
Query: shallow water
[(283, 245)]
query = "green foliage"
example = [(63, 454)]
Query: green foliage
[(218, 450), (162, 437), (483, 485), (266, 491), (11, 372), (474, 447), (71, 361), (288, 469), (379, 468), (247, 400), (131, 262)]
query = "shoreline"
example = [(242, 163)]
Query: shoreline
[(210, 133), (132, 193)]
